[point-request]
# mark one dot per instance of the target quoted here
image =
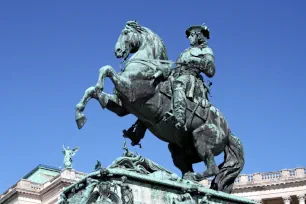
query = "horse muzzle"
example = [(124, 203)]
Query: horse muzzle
[(119, 53), (122, 54)]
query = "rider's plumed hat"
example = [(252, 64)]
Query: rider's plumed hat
[(202, 28)]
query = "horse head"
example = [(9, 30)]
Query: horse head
[(135, 37)]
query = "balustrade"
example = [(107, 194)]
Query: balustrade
[(269, 176)]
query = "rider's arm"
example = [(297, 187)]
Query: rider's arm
[(209, 68), (206, 63)]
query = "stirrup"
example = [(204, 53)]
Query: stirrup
[(167, 116)]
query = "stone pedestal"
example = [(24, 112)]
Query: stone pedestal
[(132, 179)]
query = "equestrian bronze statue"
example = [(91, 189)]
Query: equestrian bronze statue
[(171, 103)]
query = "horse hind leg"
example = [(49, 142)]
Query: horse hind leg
[(204, 140), (180, 159)]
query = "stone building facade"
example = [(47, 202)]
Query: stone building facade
[(44, 184), (285, 186)]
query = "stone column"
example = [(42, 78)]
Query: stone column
[(286, 199), (301, 198), (243, 178), (299, 172), (257, 177), (285, 173)]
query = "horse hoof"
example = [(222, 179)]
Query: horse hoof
[(199, 177), (80, 119), (190, 176), (210, 173)]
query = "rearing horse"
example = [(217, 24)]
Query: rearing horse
[(143, 89)]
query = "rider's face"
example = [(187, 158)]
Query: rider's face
[(193, 39)]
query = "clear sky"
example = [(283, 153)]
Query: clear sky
[(51, 51)]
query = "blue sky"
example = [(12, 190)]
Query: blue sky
[(50, 52)]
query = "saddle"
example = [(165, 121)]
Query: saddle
[(197, 109)]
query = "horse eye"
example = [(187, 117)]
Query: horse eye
[(125, 32)]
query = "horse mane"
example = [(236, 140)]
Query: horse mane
[(152, 37)]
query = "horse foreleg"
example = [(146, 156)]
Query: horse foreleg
[(79, 116), (109, 101), (112, 103), (122, 84)]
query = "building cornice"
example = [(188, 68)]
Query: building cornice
[(36, 190), (41, 166), (19, 191)]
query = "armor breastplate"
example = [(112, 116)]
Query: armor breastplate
[(194, 52), (185, 58)]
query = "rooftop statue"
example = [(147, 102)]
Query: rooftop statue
[(171, 102), (69, 153)]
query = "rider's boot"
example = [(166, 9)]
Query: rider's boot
[(179, 103)]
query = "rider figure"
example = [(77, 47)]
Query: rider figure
[(187, 79)]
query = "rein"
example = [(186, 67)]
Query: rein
[(150, 61)]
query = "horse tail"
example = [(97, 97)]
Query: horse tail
[(231, 167)]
